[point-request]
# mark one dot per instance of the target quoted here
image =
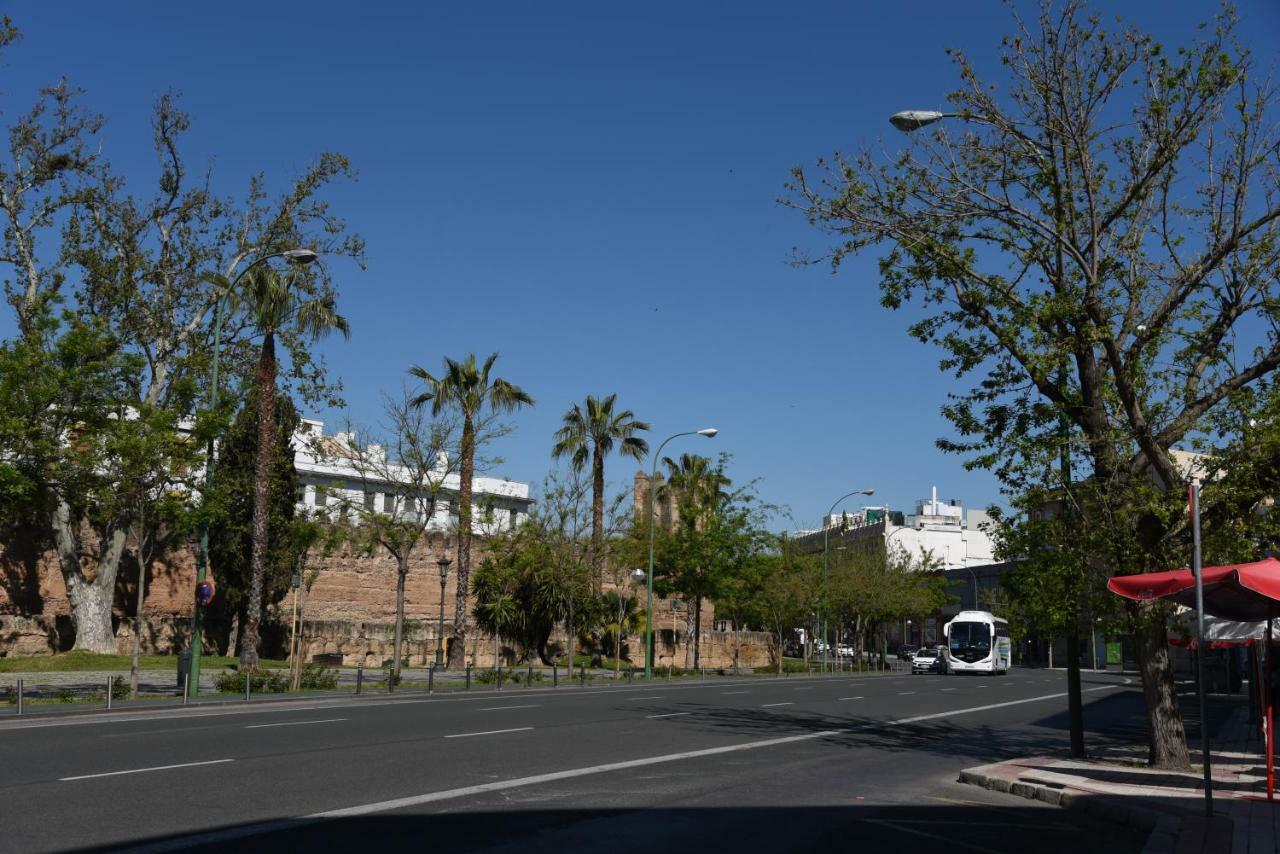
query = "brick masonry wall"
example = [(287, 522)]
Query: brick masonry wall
[(350, 610)]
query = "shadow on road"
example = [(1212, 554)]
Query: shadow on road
[(530, 829)]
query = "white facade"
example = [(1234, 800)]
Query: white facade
[(330, 482), (940, 532)]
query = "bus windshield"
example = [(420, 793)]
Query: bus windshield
[(970, 637)]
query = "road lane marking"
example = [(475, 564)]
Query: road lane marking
[(727, 693), (247, 831), (500, 708), (670, 715), (810, 688), (850, 698), (770, 705), (905, 693), (984, 686), (644, 698), (143, 770), (948, 689), (295, 723), (950, 841), (488, 732)]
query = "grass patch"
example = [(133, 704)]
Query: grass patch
[(82, 661)]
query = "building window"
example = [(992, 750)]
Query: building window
[(321, 496), (370, 501), (389, 503), (488, 514), (512, 516)]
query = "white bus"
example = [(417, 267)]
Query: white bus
[(978, 642)]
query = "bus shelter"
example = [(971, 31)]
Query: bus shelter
[(1244, 593)]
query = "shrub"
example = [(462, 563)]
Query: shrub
[(119, 688), (318, 678), (788, 666), (487, 677), (66, 695), (231, 681)]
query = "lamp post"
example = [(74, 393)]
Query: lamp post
[(301, 257), (710, 433), (443, 563), (825, 543)]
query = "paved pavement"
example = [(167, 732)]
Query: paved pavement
[(868, 763)]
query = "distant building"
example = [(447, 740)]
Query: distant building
[(330, 482), (939, 532)]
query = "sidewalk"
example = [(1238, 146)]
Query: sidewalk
[(1116, 785)]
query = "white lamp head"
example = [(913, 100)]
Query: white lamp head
[(909, 120), (299, 256), (709, 432)]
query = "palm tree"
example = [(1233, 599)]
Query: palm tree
[(592, 433), (274, 305), (626, 618), (467, 388)]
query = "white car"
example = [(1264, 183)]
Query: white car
[(929, 659)]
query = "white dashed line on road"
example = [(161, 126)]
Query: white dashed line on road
[(850, 698), (670, 715), (727, 693), (631, 698), (770, 705), (143, 770), (905, 693), (500, 708), (295, 723), (488, 732)]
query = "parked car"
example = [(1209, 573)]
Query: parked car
[(929, 659), (907, 651)]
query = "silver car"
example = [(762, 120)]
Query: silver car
[(929, 659)]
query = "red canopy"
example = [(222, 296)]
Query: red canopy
[(1247, 591)]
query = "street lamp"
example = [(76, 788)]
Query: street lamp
[(710, 433), (825, 540), (302, 257), (443, 563), (909, 120)]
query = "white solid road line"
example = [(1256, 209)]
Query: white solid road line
[(295, 723), (770, 705), (247, 831), (500, 708), (489, 732), (670, 715), (143, 770)]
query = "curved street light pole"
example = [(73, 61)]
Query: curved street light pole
[(293, 256), (826, 647), (710, 433)]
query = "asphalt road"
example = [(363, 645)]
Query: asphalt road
[(864, 762)]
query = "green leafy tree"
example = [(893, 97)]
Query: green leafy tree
[(1093, 238), (231, 514), (276, 305), (410, 457), (468, 389), (590, 433)]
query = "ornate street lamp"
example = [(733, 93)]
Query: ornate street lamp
[(443, 563)]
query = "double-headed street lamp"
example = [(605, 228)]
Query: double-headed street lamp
[(443, 563), (710, 433), (301, 257), (826, 646)]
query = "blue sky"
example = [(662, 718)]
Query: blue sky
[(590, 190)]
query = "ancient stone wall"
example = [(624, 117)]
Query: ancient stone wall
[(350, 610)]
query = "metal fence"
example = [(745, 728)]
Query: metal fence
[(49, 693)]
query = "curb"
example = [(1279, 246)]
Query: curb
[(1099, 806)]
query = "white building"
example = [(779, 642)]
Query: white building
[(941, 533), (330, 481)]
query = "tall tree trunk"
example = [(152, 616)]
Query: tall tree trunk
[(90, 600), (697, 630), (402, 571), (261, 502), (569, 634), (1165, 730), (597, 519), (233, 637), (1075, 705), (137, 618), (457, 648)]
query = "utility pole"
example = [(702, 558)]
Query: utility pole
[(1075, 705)]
